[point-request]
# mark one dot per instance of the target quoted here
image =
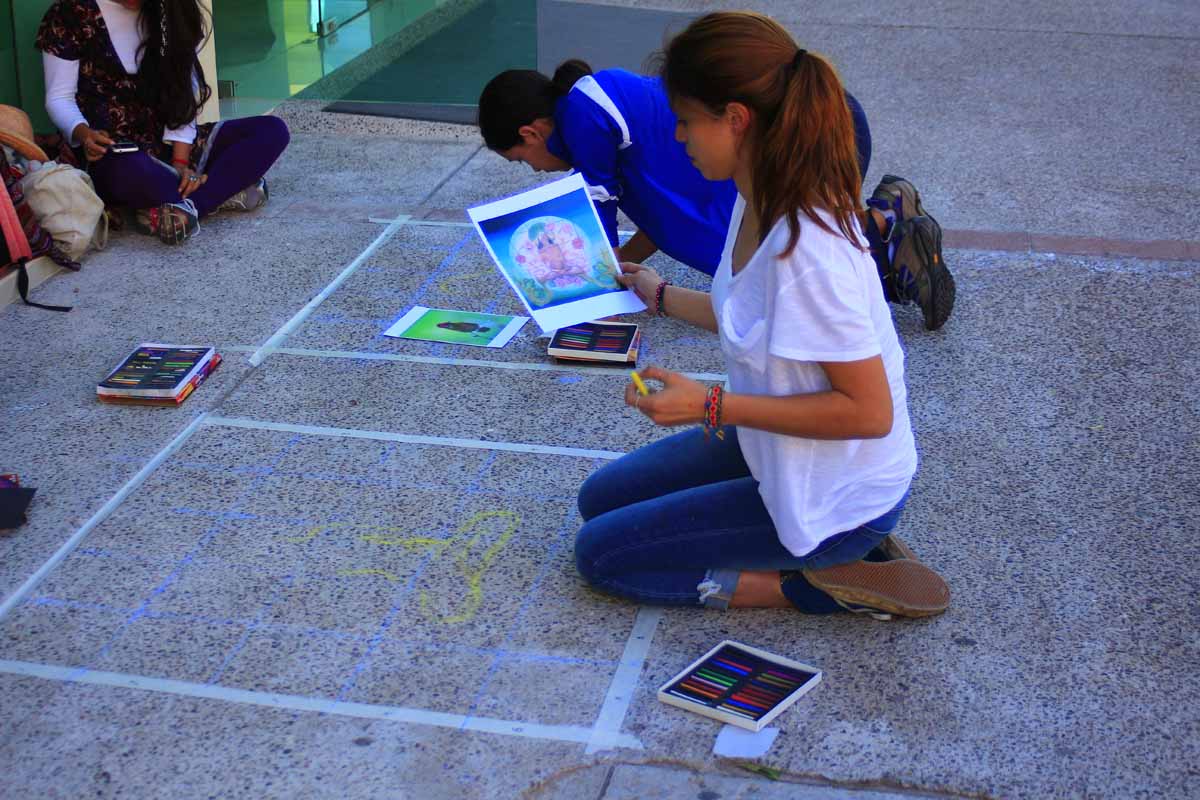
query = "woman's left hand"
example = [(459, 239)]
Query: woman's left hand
[(189, 181), (642, 280), (679, 402)]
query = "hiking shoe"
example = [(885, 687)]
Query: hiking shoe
[(899, 196), (918, 274), (900, 586), (248, 199), (172, 223), (903, 281)]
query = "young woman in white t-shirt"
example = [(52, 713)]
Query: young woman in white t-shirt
[(787, 495)]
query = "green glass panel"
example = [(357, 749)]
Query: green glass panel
[(10, 90), (26, 17), (451, 65), (382, 51)]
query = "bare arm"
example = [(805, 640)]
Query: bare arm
[(686, 304), (858, 404), (637, 249)]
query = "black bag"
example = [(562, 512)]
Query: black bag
[(13, 501)]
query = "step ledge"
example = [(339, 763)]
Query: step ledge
[(40, 270)]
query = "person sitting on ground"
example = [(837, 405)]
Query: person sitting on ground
[(126, 72), (789, 494), (617, 129)]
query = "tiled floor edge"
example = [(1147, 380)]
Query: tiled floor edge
[(40, 270), (1024, 241)]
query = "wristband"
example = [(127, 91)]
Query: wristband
[(658, 298), (713, 406), (183, 162)]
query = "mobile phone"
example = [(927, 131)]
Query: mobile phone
[(123, 147)]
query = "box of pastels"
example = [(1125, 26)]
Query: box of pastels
[(597, 342), (739, 684)]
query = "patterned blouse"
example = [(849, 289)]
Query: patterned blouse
[(74, 30)]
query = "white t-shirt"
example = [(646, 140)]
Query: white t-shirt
[(62, 76), (777, 318)]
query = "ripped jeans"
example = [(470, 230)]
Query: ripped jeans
[(675, 523)]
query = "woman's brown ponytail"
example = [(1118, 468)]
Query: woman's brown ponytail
[(805, 156)]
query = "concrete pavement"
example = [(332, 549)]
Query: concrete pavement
[(343, 568)]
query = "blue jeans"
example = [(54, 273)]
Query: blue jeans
[(675, 523)]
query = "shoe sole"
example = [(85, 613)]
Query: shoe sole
[(904, 587), (927, 242)]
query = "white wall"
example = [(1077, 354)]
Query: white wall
[(208, 60)]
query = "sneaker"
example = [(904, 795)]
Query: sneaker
[(172, 223), (918, 273), (897, 195), (248, 199), (900, 586)]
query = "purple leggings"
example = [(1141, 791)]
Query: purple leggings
[(240, 153)]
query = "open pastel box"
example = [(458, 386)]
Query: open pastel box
[(597, 341), (740, 685)]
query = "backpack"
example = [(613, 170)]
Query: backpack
[(23, 239)]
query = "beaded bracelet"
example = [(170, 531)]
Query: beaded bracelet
[(713, 405), (658, 297)]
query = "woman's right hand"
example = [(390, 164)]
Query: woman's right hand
[(95, 144), (643, 280)]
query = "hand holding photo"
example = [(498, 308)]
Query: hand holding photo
[(551, 248), (456, 327)]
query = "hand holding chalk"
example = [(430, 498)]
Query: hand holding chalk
[(679, 402), (639, 383)]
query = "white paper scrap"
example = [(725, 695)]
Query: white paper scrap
[(735, 742)]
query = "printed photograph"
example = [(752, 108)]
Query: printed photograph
[(554, 252), (550, 247), (456, 327)]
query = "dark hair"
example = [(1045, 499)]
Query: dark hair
[(805, 156), (517, 97), (174, 31)]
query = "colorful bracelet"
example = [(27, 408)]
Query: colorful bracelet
[(658, 297), (714, 403)]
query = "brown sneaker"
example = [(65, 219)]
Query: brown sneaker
[(902, 586)]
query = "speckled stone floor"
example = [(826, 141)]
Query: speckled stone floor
[(343, 568)]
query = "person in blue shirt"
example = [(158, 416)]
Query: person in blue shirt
[(616, 128)]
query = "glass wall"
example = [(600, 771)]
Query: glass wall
[(367, 51), (21, 81), (10, 94)]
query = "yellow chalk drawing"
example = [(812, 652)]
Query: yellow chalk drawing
[(474, 574), (382, 573), (411, 543), (465, 542)]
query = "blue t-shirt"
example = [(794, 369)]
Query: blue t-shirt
[(617, 129)]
